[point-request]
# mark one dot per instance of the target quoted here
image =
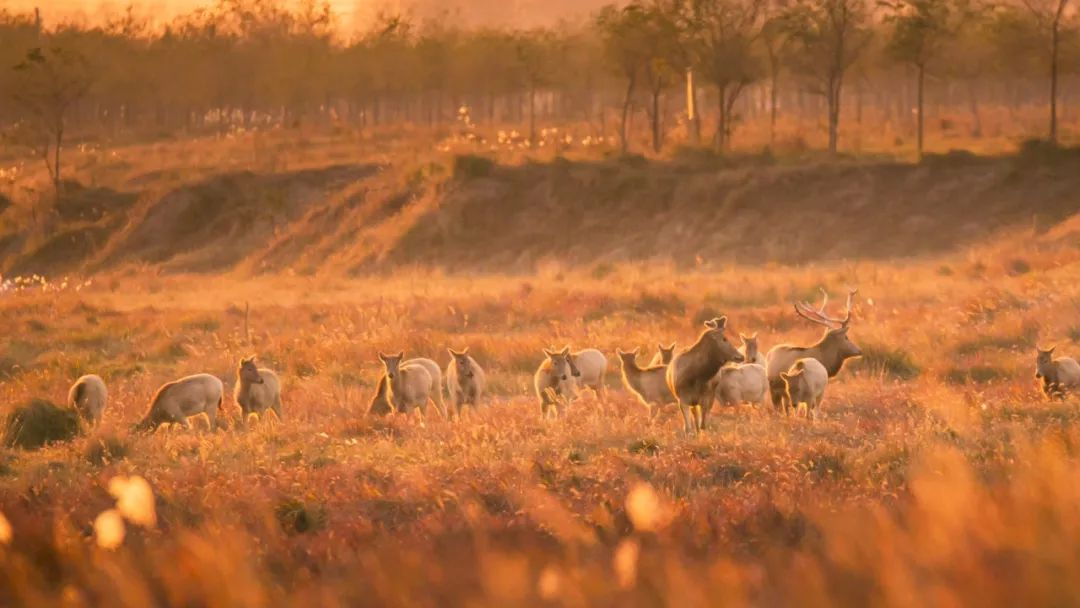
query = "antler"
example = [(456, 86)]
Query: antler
[(804, 310)]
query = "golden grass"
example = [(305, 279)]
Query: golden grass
[(934, 486)]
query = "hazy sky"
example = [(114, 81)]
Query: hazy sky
[(350, 12)]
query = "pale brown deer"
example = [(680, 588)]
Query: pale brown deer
[(831, 351)]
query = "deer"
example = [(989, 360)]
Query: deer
[(1058, 374), (691, 374), (464, 380), (663, 355), (648, 384), (555, 382), (750, 350), (805, 384), (177, 401), (591, 367), (88, 397), (409, 384), (832, 350), (257, 390)]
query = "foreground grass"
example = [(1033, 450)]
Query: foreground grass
[(927, 483)]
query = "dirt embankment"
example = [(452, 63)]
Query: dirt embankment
[(355, 218)]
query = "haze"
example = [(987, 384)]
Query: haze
[(349, 13)]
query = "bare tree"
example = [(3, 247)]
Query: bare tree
[(1050, 16), (623, 32), (921, 31), (49, 82), (724, 34), (829, 36)]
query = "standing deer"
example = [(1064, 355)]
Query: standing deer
[(464, 380), (556, 382), (805, 383), (690, 376), (1058, 374), (409, 384), (648, 384), (831, 351), (750, 350), (664, 355)]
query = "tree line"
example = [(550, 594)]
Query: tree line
[(255, 63)]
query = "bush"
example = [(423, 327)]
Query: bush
[(892, 361), (39, 423), (468, 166), (976, 374), (105, 450), (298, 517)]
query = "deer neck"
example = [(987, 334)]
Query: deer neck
[(705, 356), (632, 375), (827, 354)]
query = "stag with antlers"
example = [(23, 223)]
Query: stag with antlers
[(831, 351)]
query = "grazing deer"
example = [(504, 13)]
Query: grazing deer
[(1058, 374), (663, 355), (88, 397), (750, 351), (465, 380), (177, 401), (591, 366), (648, 384), (555, 381), (831, 351), (805, 383), (408, 384), (690, 376), (257, 390)]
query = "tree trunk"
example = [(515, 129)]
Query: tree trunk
[(774, 81), (56, 155), (1054, 44), (920, 123), (720, 139), (835, 84), (532, 115), (623, 135), (657, 136)]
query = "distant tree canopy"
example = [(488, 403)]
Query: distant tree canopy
[(253, 63)]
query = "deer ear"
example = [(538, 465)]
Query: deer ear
[(565, 351), (550, 354), (400, 355), (711, 323), (721, 323), (754, 337), (382, 357), (672, 346), (451, 351), (465, 351)]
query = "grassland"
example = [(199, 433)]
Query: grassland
[(938, 477)]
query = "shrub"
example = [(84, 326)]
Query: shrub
[(105, 450), (469, 166), (298, 517), (894, 362), (39, 423), (977, 374)]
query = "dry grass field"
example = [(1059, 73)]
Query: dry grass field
[(938, 476)]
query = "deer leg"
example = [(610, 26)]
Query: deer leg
[(685, 409)]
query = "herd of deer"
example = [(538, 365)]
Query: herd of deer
[(711, 369)]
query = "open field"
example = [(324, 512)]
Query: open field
[(939, 475)]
